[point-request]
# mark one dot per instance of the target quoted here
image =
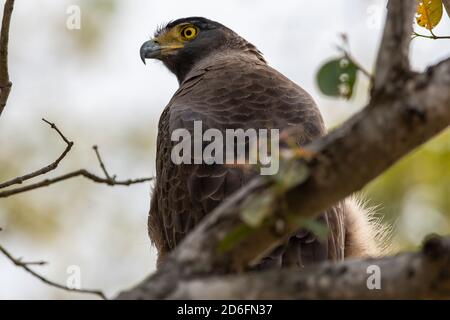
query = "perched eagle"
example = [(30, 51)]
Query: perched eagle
[(226, 83)]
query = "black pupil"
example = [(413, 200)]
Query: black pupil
[(188, 32)]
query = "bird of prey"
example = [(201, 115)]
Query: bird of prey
[(225, 82)]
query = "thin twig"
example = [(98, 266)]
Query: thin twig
[(350, 58), (432, 36), (25, 266), (45, 169), (109, 180), (77, 173), (32, 263), (345, 49), (102, 165), (5, 83)]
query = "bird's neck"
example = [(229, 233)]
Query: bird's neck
[(179, 70), (218, 58), (182, 65)]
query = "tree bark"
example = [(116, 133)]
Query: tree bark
[(5, 83), (422, 275)]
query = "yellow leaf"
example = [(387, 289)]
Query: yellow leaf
[(429, 13)]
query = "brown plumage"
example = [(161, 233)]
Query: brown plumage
[(226, 83)]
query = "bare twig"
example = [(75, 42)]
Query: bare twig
[(32, 263), (109, 180), (26, 265), (77, 173), (432, 36), (5, 83), (102, 165), (350, 58), (345, 50), (45, 169)]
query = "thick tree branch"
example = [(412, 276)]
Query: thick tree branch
[(421, 275), (447, 6), (5, 83), (407, 110), (393, 56)]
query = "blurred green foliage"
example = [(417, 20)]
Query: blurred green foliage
[(422, 176), (96, 17)]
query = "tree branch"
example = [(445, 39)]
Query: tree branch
[(393, 56), (111, 181), (47, 168), (78, 173), (26, 267), (5, 83), (102, 165), (345, 50), (433, 36), (421, 275)]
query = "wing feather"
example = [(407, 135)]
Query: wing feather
[(227, 91)]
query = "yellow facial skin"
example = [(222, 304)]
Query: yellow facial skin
[(176, 38)]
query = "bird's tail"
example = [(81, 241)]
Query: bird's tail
[(365, 234)]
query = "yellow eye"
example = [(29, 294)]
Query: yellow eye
[(189, 32)]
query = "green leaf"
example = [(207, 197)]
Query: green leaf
[(291, 174), (231, 239), (256, 210), (337, 77), (313, 225)]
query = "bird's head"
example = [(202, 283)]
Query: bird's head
[(182, 43)]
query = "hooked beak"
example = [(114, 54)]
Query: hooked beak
[(150, 50)]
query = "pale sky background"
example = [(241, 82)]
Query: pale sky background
[(104, 95)]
